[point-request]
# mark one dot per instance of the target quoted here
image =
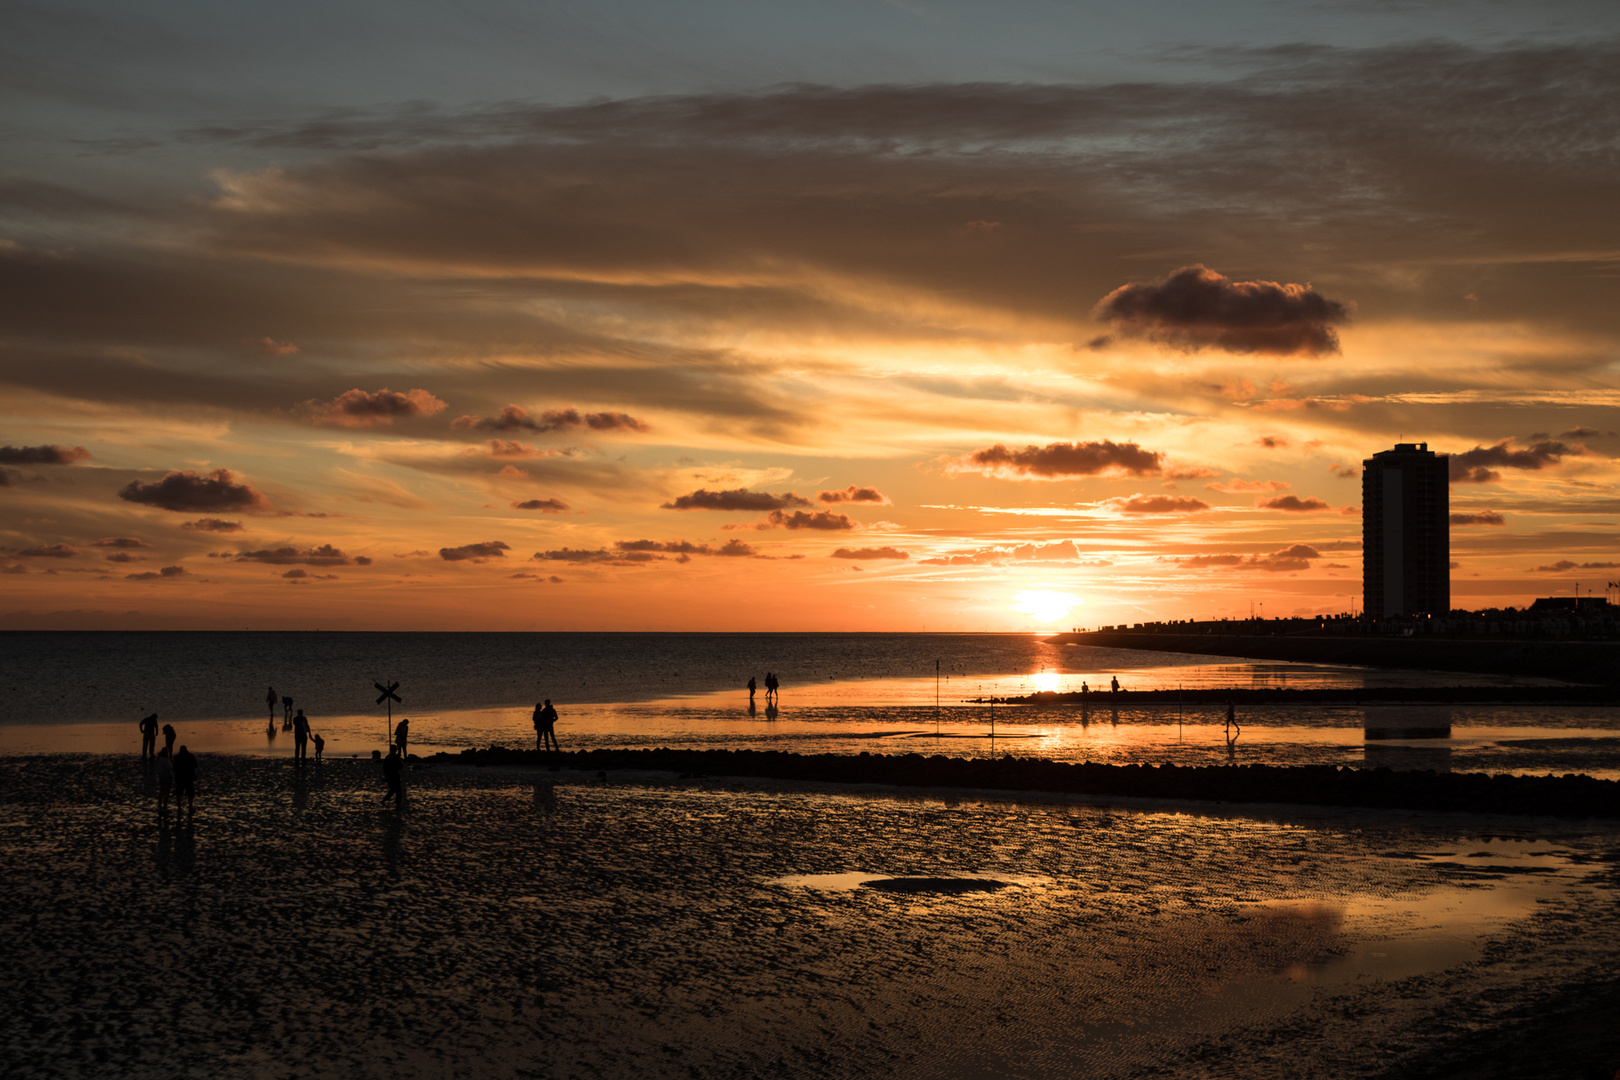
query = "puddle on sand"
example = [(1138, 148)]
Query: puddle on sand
[(933, 885)]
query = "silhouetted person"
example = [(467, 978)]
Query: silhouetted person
[(392, 767), (320, 744), (165, 780), (271, 699), (286, 712), (1113, 684), (149, 736), (168, 739), (185, 780), (771, 687), (752, 686), (402, 732), (300, 736), (545, 726), (1084, 689), (1232, 730)]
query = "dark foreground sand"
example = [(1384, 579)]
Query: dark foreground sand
[(522, 923)]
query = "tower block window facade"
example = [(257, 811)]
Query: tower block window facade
[(1406, 532)]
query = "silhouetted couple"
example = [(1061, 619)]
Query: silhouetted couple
[(545, 726), (771, 687)]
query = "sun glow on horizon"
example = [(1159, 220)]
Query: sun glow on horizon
[(1044, 605)]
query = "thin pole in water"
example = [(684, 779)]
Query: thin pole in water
[(1178, 712), (936, 697)]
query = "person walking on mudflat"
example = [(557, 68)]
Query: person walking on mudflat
[(149, 736), (752, 686), (168, 739), (402, 733), (300, 737), (545, 726), (393, 765), (271, 699), (185, 781)]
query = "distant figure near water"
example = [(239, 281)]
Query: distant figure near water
[(1232, 730), (300, 737), (286, 712), (149, 736), (168, 739), (545, 726), (752, 686), (402, 733), (392, 766), (772, 688), (271, 700), (1113, 684), (185, 780)]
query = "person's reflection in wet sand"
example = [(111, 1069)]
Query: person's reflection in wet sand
[(300, 790), (1085, 715), (1113, 716), (1232, 731), (770, 709), (393, 766), (164, 855), (545, 798), (393, 848), (185, 846)]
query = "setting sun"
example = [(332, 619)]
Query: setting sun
[(1045, 606)]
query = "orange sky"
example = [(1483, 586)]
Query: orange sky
[(817, 350)]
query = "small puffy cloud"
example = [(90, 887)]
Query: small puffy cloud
[(269, 346), (1196, 561), (296, 574), (871, 553), (736, 548), (853, 494), (1060, 461), (820, 519), (210, 524), (160, 575), (1344, 472), (1479, 465), (48, 551), (124, 557), (127, 542), (1271, 442), (365, 408), (1563, 565), (489, 549), (1196, 308), (545, 506), (739, 499), (325, 555), (1293, 504), (517, 418), (362, 560), (1482, 517), (577, 555), (185, 492), (510, 448), (1246, 487), (42, 455), (1157, 504)]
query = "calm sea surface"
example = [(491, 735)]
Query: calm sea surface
[(843, 693)]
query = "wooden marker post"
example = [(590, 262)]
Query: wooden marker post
[(389, 696)]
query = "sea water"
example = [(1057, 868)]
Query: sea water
[(841, 693)]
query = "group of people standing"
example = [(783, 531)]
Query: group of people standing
[(772, 688), (297, 723), (175, 769)]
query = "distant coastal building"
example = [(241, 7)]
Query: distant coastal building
[(1406, 532)]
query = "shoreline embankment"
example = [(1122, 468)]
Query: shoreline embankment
[(1289, 696), (1592, 662), (1567, 796)]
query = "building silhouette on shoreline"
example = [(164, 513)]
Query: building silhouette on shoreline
[(1406, 532)]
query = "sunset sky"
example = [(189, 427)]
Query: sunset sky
[(754, 316)]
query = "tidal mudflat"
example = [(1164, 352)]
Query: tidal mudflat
[(526, 923)]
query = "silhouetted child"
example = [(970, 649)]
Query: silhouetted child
[(393, 764), (149, 736), (168, 739), (165, 780), (185, 780), (320, 745), (402, 732)]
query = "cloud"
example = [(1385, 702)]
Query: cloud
[(121, 542), (578, 555), (362, 408), (739, 499), (1271, 442), (489, 549), (517, 418), (1583, 433), (545, 506), (1344, 472), (124, 557), (1482, 517), (210, 524), (1563, 565), (1293, 504), (48, 551), (1476, 466), (185, 491), (1060, 461), (325, 555), (799, 519), (269, 346), (853, 494), (1195, 308), (1245, 487), (1156, 504), (1055, 551), (161, 575), (871, 553), (42, 455), (1293, 558)]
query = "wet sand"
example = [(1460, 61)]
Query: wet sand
[(522, 923)]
